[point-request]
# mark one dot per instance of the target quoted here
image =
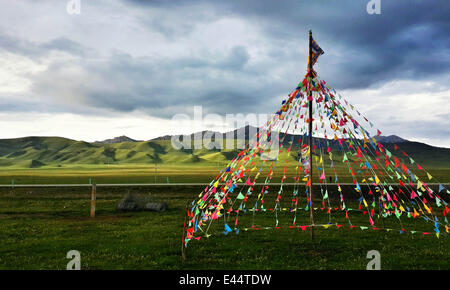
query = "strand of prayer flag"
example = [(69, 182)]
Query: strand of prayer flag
[(363, 158)]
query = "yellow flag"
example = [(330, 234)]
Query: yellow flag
[(377, 180)]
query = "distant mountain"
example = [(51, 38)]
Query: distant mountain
[(248, 131), (42, 152), (165, 137), (244, 132), (120, 139), (390, 139)]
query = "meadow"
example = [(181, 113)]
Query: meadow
[(54, 160), (164, 173), (38, 226)]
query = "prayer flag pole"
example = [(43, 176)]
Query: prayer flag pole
[(311, 210), (183, 244)]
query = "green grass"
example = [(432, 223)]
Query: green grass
[(39, 226), (118, 173), (174, 173), (54, 160)]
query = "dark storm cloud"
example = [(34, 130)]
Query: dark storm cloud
[(66, 45), (35, 50), (162, 87), (17, 46), (410, 38)]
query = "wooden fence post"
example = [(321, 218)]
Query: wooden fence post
[(93, 199)]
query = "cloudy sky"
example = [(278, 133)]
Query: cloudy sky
[(127, 67)]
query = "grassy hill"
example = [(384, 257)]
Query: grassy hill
[(36, 152), (41, 160), (32, 152)]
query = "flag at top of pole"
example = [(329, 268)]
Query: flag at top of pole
[(315, 52)]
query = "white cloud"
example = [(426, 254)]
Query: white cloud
[(79, 127), (413, 110), (138, 65)]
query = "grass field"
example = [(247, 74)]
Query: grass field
[(54, 160), (164, 173), (39, 226)]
